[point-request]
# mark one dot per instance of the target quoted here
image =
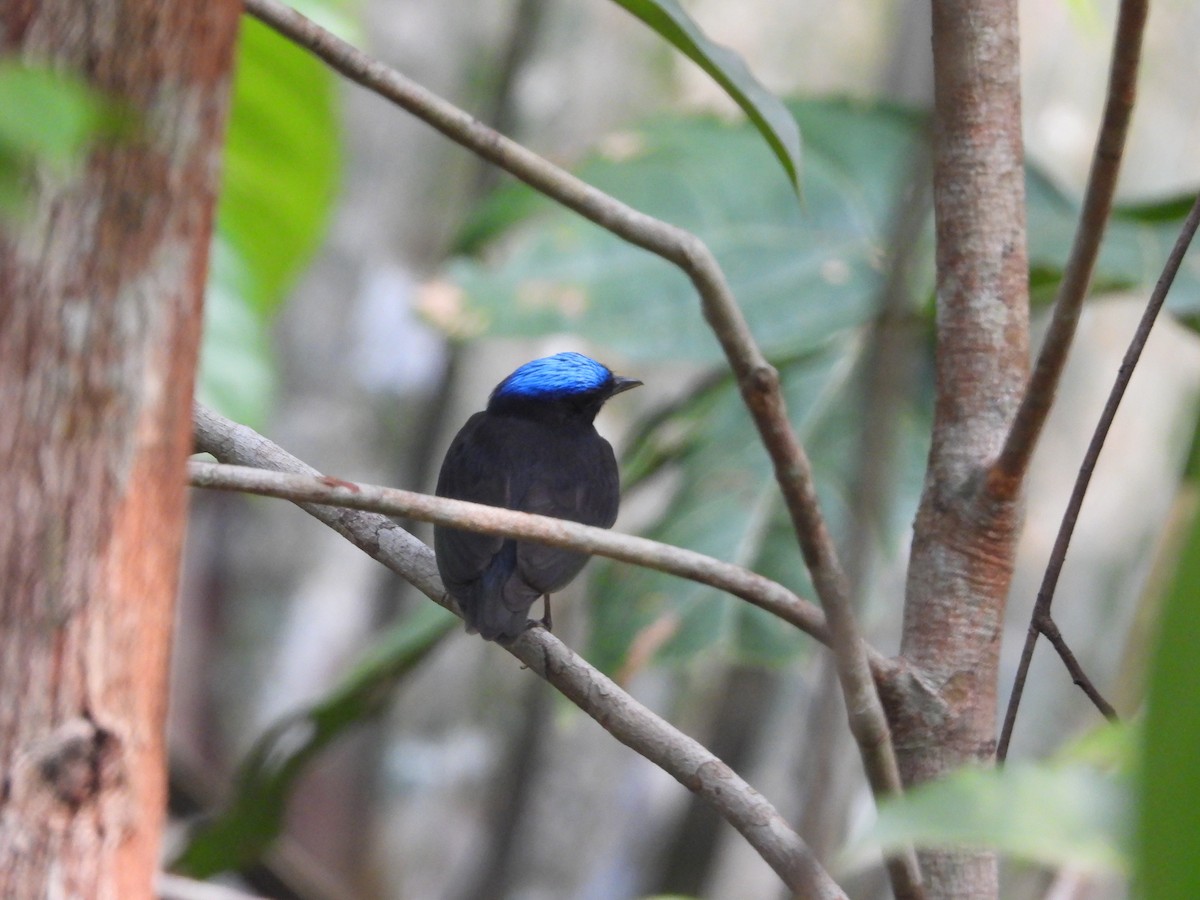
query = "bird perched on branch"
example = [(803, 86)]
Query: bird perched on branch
[(533, 449)]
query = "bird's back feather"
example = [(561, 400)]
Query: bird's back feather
[(550, 466)]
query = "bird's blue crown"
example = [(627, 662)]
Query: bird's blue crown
[(561, 375)]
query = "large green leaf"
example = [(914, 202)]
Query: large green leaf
[(807, 277), (1168, 856), (764, 109), (1052, 813), (280, 173), (724, 502), (268, 776), (237, 371), (281, 159), (802, 273)]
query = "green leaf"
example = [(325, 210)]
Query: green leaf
[(46, 118), (1168, 849), (763, 108), (1170, 209), (1051, 813), (269, 774), (237, 374), (725, 503), (280, 173), (801, 274), (1136, 243), (807, 278), (281, 160), (46, 113)]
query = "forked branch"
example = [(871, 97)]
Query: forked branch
[(1045, 597), (1009, 469)]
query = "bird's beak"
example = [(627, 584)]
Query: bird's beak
[(620, 385)]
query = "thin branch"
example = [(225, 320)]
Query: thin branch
[(757, 379), (754, 588), (1045, 597), (618, 713), (1009, 470), (1049, 629)]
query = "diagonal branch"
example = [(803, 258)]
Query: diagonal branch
[(618, 713), (757, 379), (1049, 630), (1009, 469), (740, 582), (300, 488), (1045, 597)]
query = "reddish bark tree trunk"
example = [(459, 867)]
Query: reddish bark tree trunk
[(100, 316), (966, 530)]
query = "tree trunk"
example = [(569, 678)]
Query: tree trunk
[(966, 529), (100, 318)]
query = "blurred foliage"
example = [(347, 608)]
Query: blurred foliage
[(1168, 858), (1073, 810), (279, 177), (47, 120), (802, 270), (1078, 809), (765, 111), (1136, 244), (808, 275), (278, 186), (267, 777), (725, 503)]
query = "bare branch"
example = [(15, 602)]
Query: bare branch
[(303, 488), (1009, 469), (1045, 597), (1054, 636), (757, 379), (623, 717)]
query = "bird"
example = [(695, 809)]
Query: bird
[(534, 448)]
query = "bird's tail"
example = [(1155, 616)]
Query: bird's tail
[(490, 610), (494, 622)]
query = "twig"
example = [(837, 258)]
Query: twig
[(623, 717), (1045, 597), (1009, 470), (757, 379), (298, 488), (1049, 630)]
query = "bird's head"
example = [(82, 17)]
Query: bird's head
[(570, 382)]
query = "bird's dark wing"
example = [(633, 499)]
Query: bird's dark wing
[(472, 470), (581, 484)]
